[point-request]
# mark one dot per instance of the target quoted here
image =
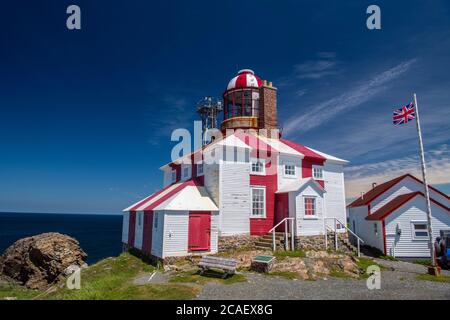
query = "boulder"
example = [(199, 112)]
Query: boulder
[(39, 261)]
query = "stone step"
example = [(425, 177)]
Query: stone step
[(265, 240)]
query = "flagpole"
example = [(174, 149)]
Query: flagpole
[(424, 176)]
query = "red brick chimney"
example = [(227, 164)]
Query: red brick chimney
[(268, 106)]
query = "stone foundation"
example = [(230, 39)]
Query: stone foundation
[(227, 243)]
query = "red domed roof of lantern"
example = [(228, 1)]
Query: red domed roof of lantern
[(245, 78)]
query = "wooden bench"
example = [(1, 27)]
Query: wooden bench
[(227, 265)]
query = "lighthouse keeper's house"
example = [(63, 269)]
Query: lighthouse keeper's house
[(255, 181)]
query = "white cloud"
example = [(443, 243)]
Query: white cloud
[(316, 69), (324, 111), (360, 178)]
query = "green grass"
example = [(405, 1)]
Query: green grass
[(339, 274), (283, 274), (424, 262), (16, 291), (111, 279), (389, 258), (429, 277), (363, 263), (295, 254), (208, 276)]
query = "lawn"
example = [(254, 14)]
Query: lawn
[(208, 276), (109, 279)]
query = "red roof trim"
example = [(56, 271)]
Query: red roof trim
[(308, 153), (396, 203), (382, 188)]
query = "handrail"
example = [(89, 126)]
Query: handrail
[(278, 224), (342, 224), (335, 234), (286, 238)]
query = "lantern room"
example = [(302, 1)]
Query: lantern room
[(249, 102), (241, 101)]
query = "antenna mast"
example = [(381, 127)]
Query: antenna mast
[(208, 108)]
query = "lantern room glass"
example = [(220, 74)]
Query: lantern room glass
[(241, 103)]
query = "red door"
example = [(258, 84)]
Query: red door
[(199, 231), (281, 209)]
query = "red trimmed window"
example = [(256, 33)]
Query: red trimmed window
[(310, 206)]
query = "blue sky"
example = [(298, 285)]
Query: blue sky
[(86, 115)]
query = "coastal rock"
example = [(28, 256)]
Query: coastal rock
[(39, 261)]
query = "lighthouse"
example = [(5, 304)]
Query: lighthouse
[(249, 103), (266, 184)]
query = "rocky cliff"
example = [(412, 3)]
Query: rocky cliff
[(38, 261)]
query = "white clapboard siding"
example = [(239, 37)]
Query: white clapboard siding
[(334, 196), (158, 234), (211, 178), (365, 229), (308, 226), (176, 225), (413, 210), (139, 230), (167, 176), (286, 159), (214, 232), (407, 185), (234, 198), (125, 226)]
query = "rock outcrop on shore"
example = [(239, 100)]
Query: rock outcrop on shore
[(39, 261)]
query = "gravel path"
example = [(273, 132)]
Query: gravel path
[(397, 284)]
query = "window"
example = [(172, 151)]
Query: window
[(199, 169), (185, 172), (289, 170), (420, 230), (318, 173), (375, 228), (258, 202), (174, 175), (139, 216), (155, 221), (310, 206), (258, 167)]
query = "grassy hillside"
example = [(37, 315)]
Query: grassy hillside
[(108, 279)]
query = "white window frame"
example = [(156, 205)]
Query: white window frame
[(259, 216), (186, 169), (155, 220), (315, 215), (289, 175), (314, 168), (139, 219), (173, 176), (413, 230), (258, 173), (200, 165)]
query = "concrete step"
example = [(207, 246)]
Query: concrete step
[(266, 244), (265, 240)]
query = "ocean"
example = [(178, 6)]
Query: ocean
[(99, 235)]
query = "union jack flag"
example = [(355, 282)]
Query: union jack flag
[(404, 114)]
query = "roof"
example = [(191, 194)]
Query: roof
[(245, 78), (396, 203), (247, 140), (298, 184), (369, 196), (187, 195)]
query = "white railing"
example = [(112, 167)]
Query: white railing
[(286, 237), (336, 221)]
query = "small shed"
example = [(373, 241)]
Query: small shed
[(178, 220)]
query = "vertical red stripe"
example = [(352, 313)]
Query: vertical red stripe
[(147, 232), (131, 228), (384, 237)]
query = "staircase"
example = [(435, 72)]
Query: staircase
[(344, 243), (341, 241), (266, 242)]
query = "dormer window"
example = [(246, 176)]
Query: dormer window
[(199, 169), (258, 167), (174, 175), (186, 172), (318, 173), (289, 170)]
